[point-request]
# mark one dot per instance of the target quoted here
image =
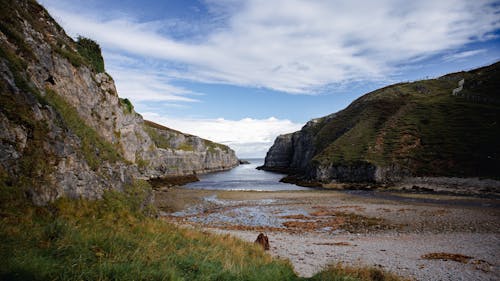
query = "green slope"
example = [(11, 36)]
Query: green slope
[(420, 127)]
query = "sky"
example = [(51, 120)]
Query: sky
[(241, 72)]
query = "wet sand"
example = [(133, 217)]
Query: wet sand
[(388, 230)]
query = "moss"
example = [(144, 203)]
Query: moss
[(186, 147), (94, 148)]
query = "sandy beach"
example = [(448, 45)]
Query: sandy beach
[(419, 236)]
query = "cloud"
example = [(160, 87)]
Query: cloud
[(248, 137), (299, 46), (463, 55), (139, 82)]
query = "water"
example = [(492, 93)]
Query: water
[(244, 177)]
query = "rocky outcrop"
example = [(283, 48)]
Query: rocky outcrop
[(401, 133), (64, 131), (294, 152), (177, 153), (279, 156)]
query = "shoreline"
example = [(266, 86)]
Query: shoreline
[(319, 227)]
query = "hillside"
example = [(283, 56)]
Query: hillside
[(64, 131), (406, 130)]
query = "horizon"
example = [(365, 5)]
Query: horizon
[(242, 73)]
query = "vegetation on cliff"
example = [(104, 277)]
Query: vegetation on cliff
[(64, 131), (94, 148), (166, 138), (422, 127), (91, 51), (419, 127)]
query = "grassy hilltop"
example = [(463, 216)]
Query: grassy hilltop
[(421, 126), (409, 129)]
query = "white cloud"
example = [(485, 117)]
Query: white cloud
[(300, 46), (138, 82), (463, 55), (248, 137)]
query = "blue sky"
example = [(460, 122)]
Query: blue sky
[(243, 72)]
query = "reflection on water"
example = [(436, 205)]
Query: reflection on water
[(244, 177)]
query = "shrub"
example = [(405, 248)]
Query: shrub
[(128, 107), (91, 51)]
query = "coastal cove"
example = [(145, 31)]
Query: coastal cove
[(243, 177), (315, 227), (132, 135)]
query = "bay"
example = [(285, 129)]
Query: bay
[(244, 177)]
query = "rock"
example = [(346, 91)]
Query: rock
[(170, 181), (263, 241), (64, 131), (243, 162)]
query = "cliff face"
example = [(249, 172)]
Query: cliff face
[(63, 129), (177, 153), (404, 131), (293, 152)]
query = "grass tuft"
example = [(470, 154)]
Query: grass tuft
[(127, 106), (338, 272)]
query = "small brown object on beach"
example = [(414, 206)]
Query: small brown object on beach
[(263, 241)]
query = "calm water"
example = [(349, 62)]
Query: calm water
[(244, 177)]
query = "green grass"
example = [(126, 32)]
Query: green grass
[(117, 239), (74, 58), (419, 127), (127, 106), (10, 26), (159, 140), (186, 147), (91, 51), (94, 148), (141, 163), (82, 52), (36, 164), (212, 146), (164, 140), (112, 239)]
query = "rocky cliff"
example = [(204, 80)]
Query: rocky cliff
[(177, 153), (63, 129), (405, 131)]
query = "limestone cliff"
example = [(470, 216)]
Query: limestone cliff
[(177, 153), (63, 129), (405, 131)]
